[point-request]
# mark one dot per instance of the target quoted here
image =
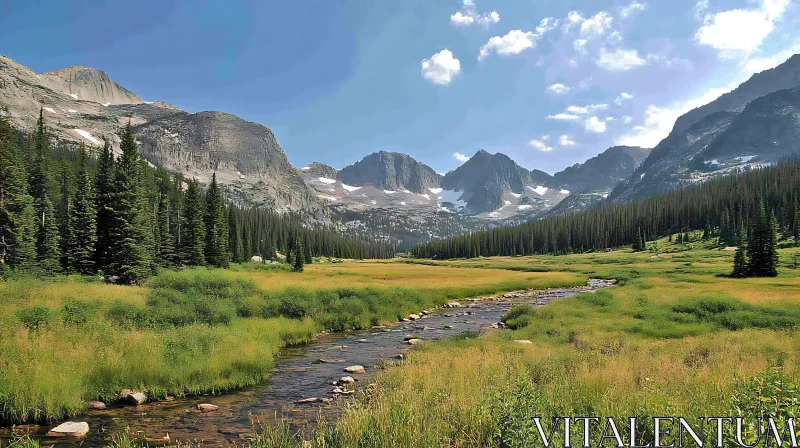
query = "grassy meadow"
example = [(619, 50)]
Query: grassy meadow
[(70, 340), (677, 338)]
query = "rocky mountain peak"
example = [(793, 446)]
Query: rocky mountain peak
[(88, 84), (391, 171)]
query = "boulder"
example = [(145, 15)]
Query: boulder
[(413, 341), (207, 407), (71, 429), (256, 259), (413, 316), (355, 369), (135, 398), (346, 380), (96, 405)]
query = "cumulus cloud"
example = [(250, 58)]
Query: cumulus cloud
[(460, 157), (597, 25), (740, 31), (595, 124), (624, 96), (583, 110), (558, 88), (468, 16), (441, 67), (632, 9), (541, 144), (564, 117), (515, 42), (619, 60), (566, 140)]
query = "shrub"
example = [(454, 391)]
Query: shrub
[(34, 317)]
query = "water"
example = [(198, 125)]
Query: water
[(298, 374)]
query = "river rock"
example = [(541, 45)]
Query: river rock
[(331, 361), (453, 305), (425, 312), (96, 405), (135, 398), (448, 327), (326, 400), (307, 400), (72, 429), (413, 316), (207, 407), (346, 380), (337, 390), (413, 341), (355, 369)]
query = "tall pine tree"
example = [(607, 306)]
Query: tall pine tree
[(216, 227), (761, 250), (82, 221), (104, 206), (48, 255), (235, 246), (165, 241), (297, 256), (192, 228), (130, 258), (17, 215)]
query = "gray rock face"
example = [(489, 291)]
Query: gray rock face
[(88, 84), (784, 76), (602, 172), (245, 156), (487, 179), (391, 171)]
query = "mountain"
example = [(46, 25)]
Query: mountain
[(246, 157), (81, 104), (603, 171), (88, 84), (753, 125), (496, 185), (391, 171)]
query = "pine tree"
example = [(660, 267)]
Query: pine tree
[(216, 227), (131, 260), (235, 247), (307, 258), (637, 242), (297, 257), (740, 265), (64, 224), (165, 242), (762, 253), (48, 255), (17, 215), (104, 203), (796, 227), (192, 229), (82, 224)]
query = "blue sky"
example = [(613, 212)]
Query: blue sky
[(549, 83)]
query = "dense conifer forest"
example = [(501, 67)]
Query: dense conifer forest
[(756, 206), (66, 211)]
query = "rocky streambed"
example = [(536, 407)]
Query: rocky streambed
[(307, 382)]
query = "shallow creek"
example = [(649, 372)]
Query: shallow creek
[(299, 373)]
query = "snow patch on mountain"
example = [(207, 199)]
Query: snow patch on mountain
[(435, 190), (325, 180), (540, 190), (88, 136), (350, 187)]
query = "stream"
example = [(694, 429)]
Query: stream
[(298, 374)]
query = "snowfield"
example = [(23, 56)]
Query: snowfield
[(325, 180), (350, 187), (540, 190), (88, 136)]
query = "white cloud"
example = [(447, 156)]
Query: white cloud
[(596, 25), (566, 140), (564, 117), (541, 144), (515, 42), (580, 45), (624, 96), (595, 124), (460, 157), (631, 9), (441, 67), (756, 65), (619, 60), (469, 16), (546, 24), (740, 31), (584, 110), (558, 88), (627, 119)]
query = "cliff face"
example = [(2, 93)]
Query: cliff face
[(391, 171), (88, 84)]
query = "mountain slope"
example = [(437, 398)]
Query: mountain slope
[(88, 84), (391, 171), (603, 171), (686, 156)]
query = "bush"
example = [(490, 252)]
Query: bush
[(75, 312), (34, 317), (519, 316)]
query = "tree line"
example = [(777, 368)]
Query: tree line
[(729, 206), (66, 211)]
